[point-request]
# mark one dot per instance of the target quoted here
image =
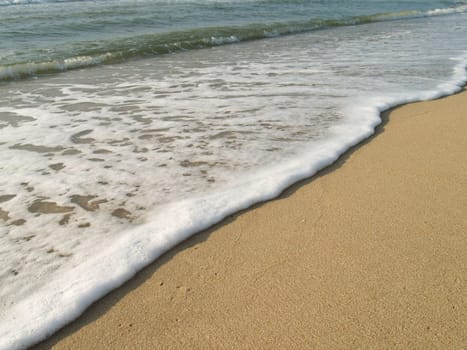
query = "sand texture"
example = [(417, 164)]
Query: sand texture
[(371, 253)]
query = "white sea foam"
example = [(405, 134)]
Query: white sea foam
[(446, 11), (28, 69), (178, 143), (224, 40)]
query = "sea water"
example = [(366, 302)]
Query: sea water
[(126, 127)]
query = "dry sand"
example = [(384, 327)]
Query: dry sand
[(371, 253)]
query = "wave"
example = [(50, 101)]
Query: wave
[(120, 50), (446, 11), (32, 2)]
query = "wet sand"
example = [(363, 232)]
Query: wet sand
[(370, 253)]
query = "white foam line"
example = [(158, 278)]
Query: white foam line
[(28, 69), (446, 11)]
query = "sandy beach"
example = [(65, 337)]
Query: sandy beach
[(370, 253)]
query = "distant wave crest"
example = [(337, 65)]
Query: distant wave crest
[(30, 2), (119, 50)]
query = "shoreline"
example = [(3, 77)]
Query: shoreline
[(269, 281)]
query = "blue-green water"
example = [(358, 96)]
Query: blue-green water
[(47, 36), (127, 126)]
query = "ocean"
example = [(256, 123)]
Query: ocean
[(128, 126)]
